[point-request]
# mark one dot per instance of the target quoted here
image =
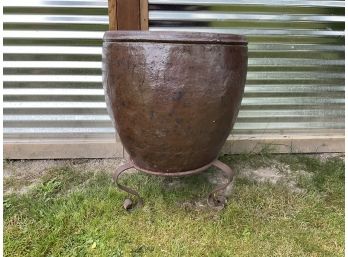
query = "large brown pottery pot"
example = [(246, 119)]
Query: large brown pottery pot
[(173, 96)]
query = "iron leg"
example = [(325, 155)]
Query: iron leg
[(219, 200), (128, 204)]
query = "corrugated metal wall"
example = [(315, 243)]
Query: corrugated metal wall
[(52, 69)]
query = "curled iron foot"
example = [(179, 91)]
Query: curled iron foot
[(127, 204), (216, 198)]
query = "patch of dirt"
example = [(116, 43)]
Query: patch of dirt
[(23, 175), (21, 190), (324, 156), (277, 173), (263, 175)]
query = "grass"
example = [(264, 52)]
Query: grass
[(73, 213)]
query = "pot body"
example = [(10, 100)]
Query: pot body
[(173, 102)]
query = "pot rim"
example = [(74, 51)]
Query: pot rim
[(173, 37)]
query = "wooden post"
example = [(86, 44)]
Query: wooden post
[(128, 14), (112, 14), (144, 15)]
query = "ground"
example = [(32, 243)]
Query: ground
[(280, 205)]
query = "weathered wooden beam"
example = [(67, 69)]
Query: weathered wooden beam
[(110, 148), (112, 14), (144, 15), (128, 14)]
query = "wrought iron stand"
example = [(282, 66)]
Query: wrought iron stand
[(214, 199)]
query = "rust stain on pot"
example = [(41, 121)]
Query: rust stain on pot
[(173, 96)]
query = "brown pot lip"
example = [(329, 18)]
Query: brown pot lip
[(173, 37)]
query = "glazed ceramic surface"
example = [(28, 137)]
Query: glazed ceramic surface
[(173, 96)]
